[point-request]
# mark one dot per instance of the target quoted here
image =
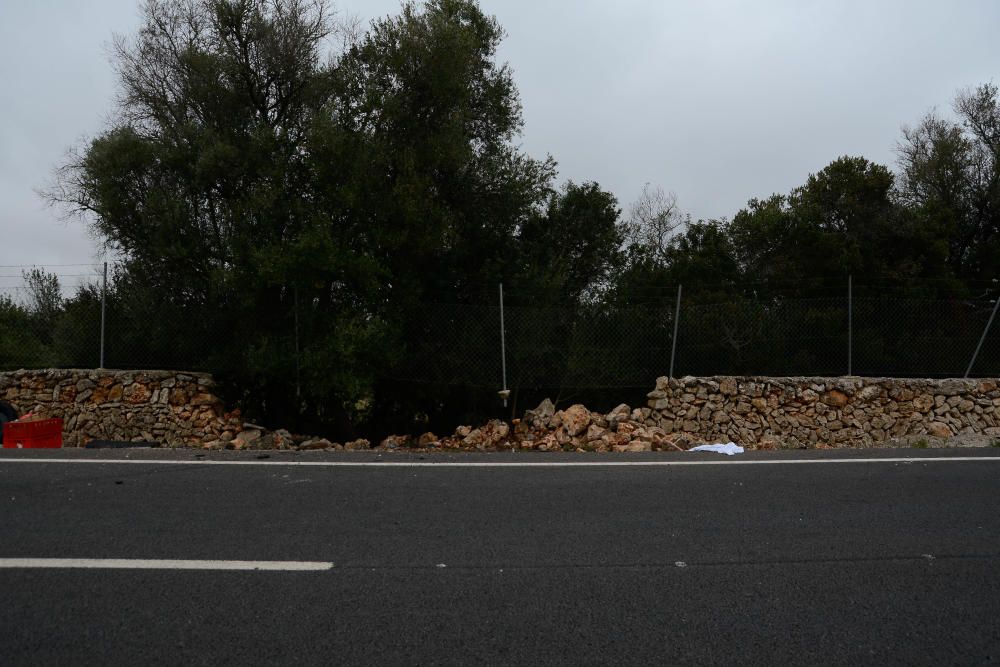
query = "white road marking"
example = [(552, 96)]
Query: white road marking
[(132, 564), (507, 464)]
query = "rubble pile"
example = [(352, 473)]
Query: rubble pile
[(545, 429)]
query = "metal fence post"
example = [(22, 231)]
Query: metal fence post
[(983, 337), (104, 299), (503, 351), (673, 343), (850, 324), (298, 365)]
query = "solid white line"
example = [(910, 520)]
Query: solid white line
[(513, 464), (132, 564)]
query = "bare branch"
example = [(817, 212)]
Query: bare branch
[(654, 219)]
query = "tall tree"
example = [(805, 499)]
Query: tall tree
[(950, 176), (654, 218), (44, 297), (570, 249), (843, 220), (283, 210), (430, 119)]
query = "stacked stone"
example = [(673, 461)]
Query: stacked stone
[(545, 429), (767, 412), (174, 409), (181, 409)]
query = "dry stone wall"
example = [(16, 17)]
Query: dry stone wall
[(181, 409), (810, 411), (755, 412), (173, 409)]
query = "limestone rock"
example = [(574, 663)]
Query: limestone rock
[(954, 387), (868, 393), (923, 403), (547, 443), (204, 399), (395, 442), (358, 445), (427, 440), (135, 393), (496, 431), (835, 398), (541, 415), (545, 409), (620, 413), (247, 437), (939, 430), (576, 419), (489, 436), (312, 445), (475, 438)]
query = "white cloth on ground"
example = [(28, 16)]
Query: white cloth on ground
[(729, 448)]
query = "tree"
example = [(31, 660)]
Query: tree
[(206, 152), (950, 177), (430, 118), (570, 249), (843, 220), (283, 211), (843, 213), (44, 301), (20, 346), (654, 218), (203, 180)]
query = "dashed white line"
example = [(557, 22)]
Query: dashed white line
[(139, 564)]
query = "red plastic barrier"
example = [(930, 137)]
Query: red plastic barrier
[(41, 434)]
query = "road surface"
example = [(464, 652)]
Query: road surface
[(811, 558)]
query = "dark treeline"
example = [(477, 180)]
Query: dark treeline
[(321, 216)]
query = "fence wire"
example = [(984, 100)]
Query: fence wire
[(600, 345)]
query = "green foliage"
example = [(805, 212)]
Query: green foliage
[(20, 346), (950, 180), (44, 302), (842, 221), (571, 247), (285, 215)]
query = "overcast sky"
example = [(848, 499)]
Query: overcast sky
[(716, 100)]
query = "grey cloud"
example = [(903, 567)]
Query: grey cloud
[(718, 101)]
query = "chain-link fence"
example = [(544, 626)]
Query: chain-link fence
[(607, 346), (64, 317), (593, 345), (589, 346)]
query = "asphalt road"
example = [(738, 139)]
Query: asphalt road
[(865, 562)]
